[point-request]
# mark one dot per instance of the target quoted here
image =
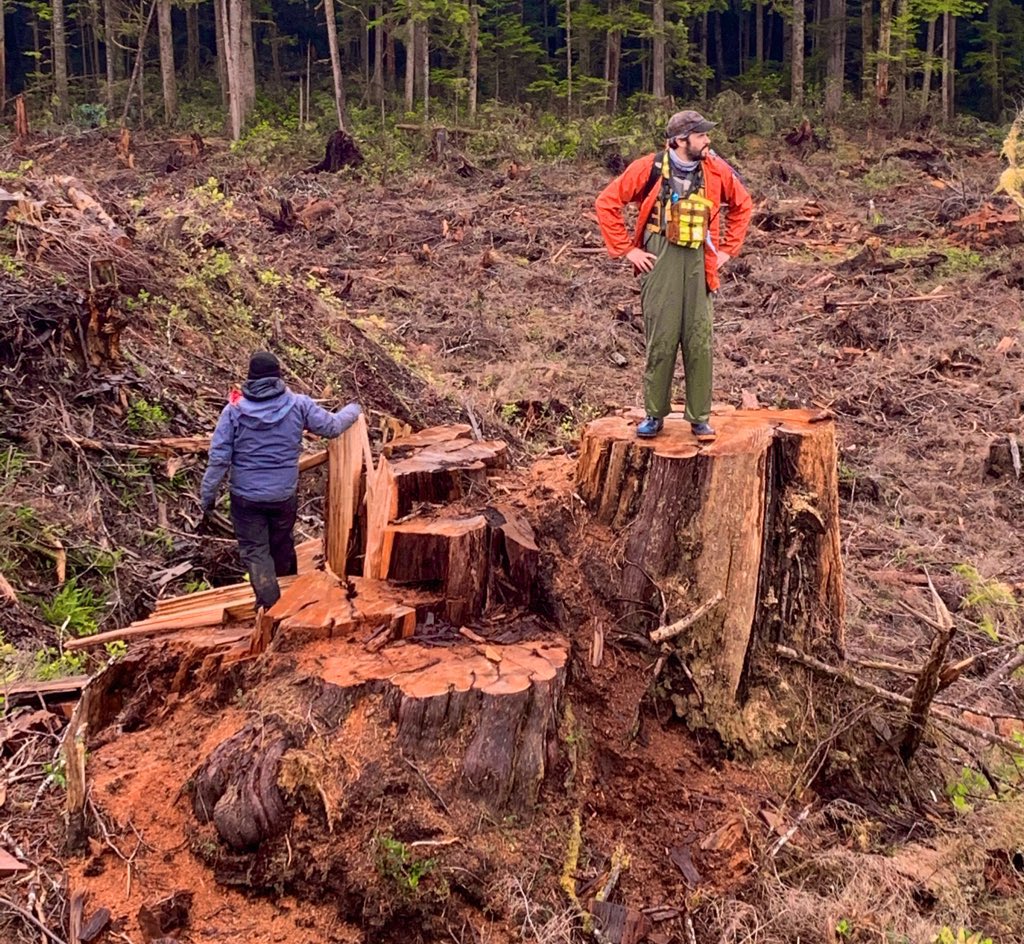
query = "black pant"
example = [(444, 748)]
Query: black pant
[(265, 543)]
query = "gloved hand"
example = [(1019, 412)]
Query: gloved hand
[(354, 404)]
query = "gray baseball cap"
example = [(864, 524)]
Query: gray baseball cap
[(683, 123)]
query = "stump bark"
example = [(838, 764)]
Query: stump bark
[(746, 527)]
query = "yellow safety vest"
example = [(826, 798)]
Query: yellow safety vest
[(682, 221)]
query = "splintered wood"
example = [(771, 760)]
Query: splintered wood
[(207, 608), (345, 458), (433, 568)]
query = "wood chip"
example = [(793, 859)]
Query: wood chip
[(9, 865)]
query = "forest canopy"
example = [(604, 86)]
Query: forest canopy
[(100, 61)]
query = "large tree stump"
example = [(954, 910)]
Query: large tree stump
[(487, 715), (746, 528)]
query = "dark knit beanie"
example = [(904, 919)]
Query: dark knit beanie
[(263, 364)]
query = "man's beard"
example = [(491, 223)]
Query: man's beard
[(699, 156)]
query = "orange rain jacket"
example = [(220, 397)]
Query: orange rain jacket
[(721, 185)]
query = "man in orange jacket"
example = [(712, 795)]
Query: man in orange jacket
[(677, 249)]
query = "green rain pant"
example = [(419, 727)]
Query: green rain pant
[(677, 312)]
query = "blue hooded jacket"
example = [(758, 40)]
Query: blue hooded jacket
[(259, 439)]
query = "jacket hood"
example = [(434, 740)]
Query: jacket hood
[(265, 402)]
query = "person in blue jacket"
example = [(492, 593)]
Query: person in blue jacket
[(259, 438)]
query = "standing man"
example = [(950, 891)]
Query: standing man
[(678, 249), (259, 438)]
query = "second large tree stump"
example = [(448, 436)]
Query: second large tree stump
[(742, 534)]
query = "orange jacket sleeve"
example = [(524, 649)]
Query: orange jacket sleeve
[(628, 187), (741, 208)]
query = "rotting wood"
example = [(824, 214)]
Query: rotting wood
[(928, 681), (77, 791)]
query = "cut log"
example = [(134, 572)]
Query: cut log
[(450, 552), (445, 472), (91, 210), (753, 517)]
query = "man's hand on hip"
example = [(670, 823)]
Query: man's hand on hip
[(642, 259)]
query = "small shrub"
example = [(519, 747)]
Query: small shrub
[(145, 417), (51, 664), (74, 609), (396, 864)]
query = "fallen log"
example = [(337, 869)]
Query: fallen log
[(91, 209)]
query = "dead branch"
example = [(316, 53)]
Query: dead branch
[(679, 626), (928, 682), (31, 919), (856, 682)]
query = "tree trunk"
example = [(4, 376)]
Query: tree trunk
[(113, 54), (796, 92), (612, 58), (745, 533), (900, 43), (332, 44), (390, 59), (167, 77), (94, 32), (948, 66), (703, 86), (274, 42), (424, 50), (741, 48), (219, 22), (836, 68), (995, 84), (247, 59), (410, 65), (192, 48), (568, 55), (658, 52), (867, 43), (377, 80), (719, 52), (884, 52), (60, 62), (3, 61), (929, 53), (231, 28), (474, 57), (759, 33)]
